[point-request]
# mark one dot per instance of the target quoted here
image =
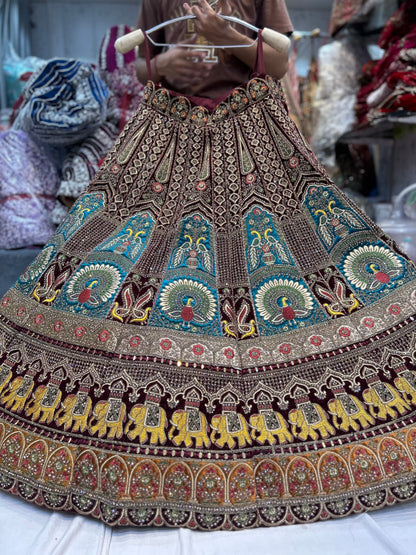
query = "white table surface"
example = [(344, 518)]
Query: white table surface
[(27, 529)]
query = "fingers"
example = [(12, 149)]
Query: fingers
[(224, 8), (191, 10), (199, 10), (204, 5), (196, 55), (188, 54), (190, 40), (182, 62), (193, 64), (187, 8)]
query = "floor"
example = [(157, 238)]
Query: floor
[(12, 264)]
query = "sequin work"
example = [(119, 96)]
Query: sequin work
[(215, 337)]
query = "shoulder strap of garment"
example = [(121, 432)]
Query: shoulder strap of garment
[(147, 57), (259, 67)]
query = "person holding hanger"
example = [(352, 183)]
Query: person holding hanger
[(207, 71)]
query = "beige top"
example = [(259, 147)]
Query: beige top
[(229, 71)]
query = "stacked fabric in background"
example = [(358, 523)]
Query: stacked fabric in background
[(343, 12), (66, 120), (361, 15), (63, 102), (389, 85), (117, 72), (339, 68), (28, 185)]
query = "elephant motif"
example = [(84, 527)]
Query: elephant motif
[(191, 425), (148, 419), (227, 426), (75, 411), (45, 400), (382, 399), (307, 418), (347, 411), (406, 384), (5, 376), (18, 393), (270, 424), (110, 415)]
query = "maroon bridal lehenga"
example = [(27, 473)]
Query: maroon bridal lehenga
[(216, 337)]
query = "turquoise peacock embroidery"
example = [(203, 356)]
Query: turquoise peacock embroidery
[(83, 209), (131, 240), (285, 304), (91, 289), (333, 221), (188, 302), (264, 246), (194, 246)]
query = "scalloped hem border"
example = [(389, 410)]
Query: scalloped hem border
[(161, 513)]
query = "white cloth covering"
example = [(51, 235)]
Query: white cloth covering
[(27, 529)]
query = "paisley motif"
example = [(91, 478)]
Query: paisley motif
[(38, 265)]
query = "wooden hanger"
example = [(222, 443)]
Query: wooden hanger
[(276, 40)]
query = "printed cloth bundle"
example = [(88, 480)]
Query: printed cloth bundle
[(389, 84), (347, 11), (82, 160), (63, 103), (28, 183)]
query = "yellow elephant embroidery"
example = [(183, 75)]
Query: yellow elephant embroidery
[(349, 412), (147, 419), (75, 411), (406, 384), (18, 393), (382, 399), (109, 415), (270, 424), (226, 427), (191, 425), (45, 400), (309, 418)]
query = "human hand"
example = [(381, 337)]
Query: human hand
[(208, 23), (183, 67)]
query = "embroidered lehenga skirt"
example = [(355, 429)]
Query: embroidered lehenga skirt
[(215, 337)]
